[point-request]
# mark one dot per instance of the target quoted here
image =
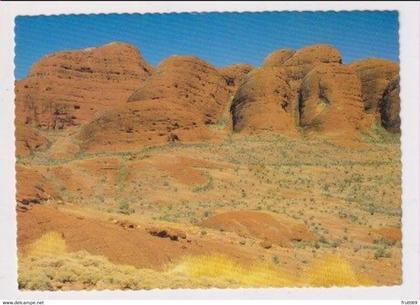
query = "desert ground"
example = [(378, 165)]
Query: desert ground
[(187, 176)]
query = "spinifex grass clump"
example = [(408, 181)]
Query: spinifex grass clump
[(332, 270), (51, 243), (223, 271)]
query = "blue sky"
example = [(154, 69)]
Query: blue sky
[(219, 38)]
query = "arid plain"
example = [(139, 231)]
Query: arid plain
[(185, 175)]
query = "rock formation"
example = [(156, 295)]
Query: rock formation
[(264, 102), (330, 100), (70, 88), (380, 91), (278, 58), (122, 103), (305, 59), (375, 75), (312, 89), (182, 101), (188, 81), (269, 98), (235, 75)]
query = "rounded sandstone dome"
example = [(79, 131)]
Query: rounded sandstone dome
[(278, 57), (319, 53)]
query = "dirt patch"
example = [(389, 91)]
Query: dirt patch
[(183, 169), (260, 225), (390, 233), (28, 139), (32, 186)]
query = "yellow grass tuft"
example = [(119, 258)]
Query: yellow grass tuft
[(332, 270), (51, 243), (222, 271)]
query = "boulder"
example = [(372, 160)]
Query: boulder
[(266, 244), (171, 233)]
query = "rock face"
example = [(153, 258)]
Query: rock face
[(330, 100), (305, 59), (69, 88), (188, 81), (278, 58), (235, 75), (264, 102), (375, 75), (390, 106), (311, 88), (268, 100), (182, 101)]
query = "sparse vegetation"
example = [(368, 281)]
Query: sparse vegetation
[(206, 187), (382, 252), (333, 271), (125, 208), (340, 194), (81, 270), (51, 243)]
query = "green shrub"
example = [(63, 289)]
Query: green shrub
[(125, 208)]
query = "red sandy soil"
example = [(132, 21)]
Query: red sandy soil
[(260, 225), (122, 242)]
